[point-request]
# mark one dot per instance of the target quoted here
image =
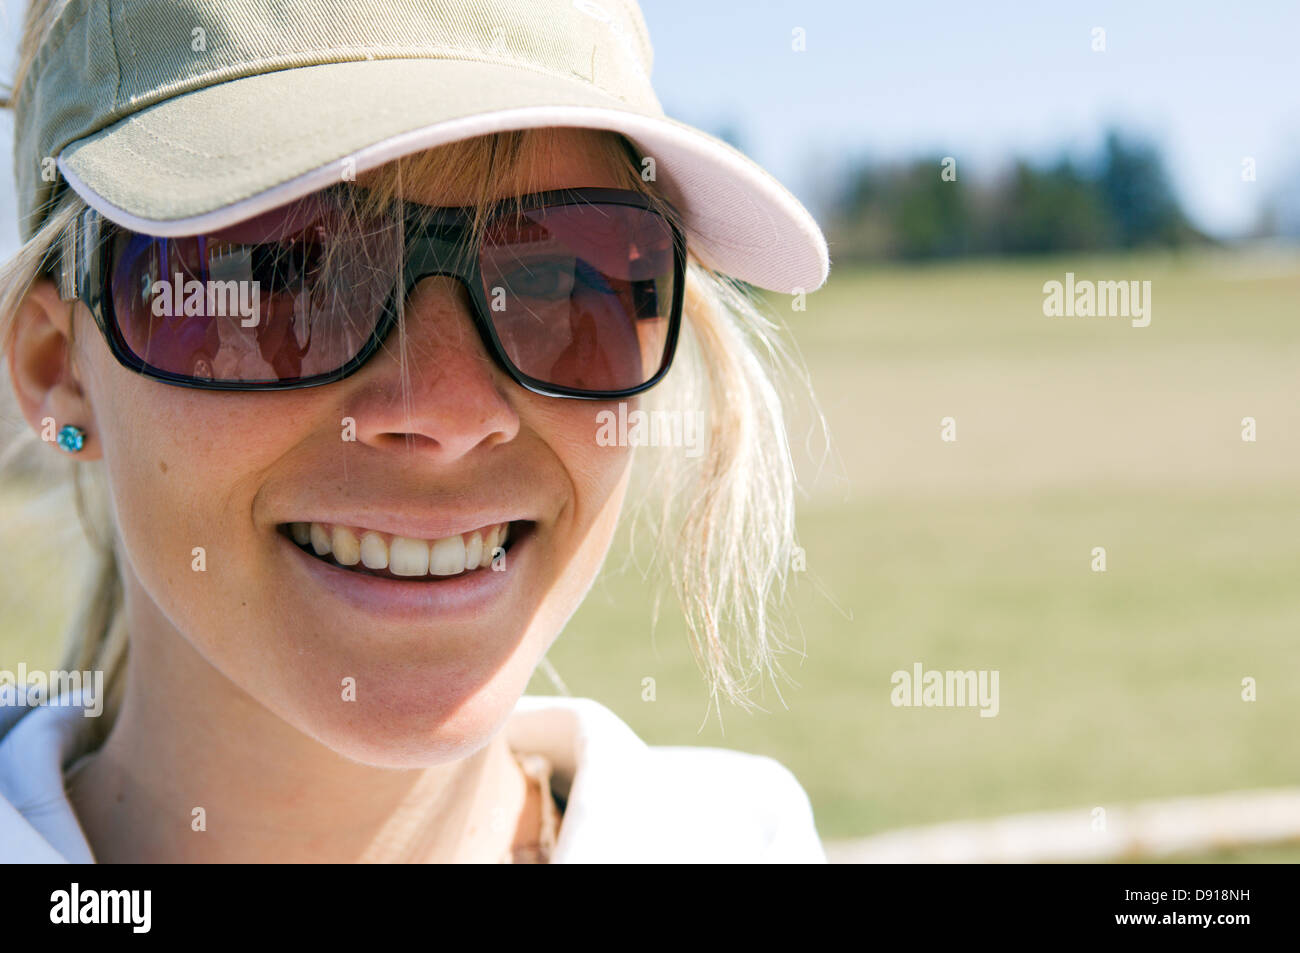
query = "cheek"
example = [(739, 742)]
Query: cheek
[(598, 477), (600, 496), (183, 468), (597, 471)]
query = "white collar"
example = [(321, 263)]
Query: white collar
[(624, 800)]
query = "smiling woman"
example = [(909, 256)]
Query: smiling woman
[(338, 539)]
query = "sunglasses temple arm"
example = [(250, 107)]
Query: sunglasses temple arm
[(77, 254)]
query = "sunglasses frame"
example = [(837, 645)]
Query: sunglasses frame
[(435, 245)]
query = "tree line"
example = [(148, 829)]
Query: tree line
[(1120, 198)]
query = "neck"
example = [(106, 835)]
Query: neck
[(196, 770)]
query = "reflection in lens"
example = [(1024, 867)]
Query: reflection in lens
[(291, 294), (580, 295)]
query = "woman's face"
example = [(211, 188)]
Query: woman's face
[(435, 663)]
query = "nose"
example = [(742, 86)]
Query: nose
[(434, 387)]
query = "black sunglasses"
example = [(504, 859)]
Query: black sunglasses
[(575, 292)]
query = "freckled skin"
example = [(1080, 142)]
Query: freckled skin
[(235, 675)]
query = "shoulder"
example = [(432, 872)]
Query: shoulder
[(754, 798), (629, 801), (37, 823)]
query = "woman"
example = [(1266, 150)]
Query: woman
[(336, 573)]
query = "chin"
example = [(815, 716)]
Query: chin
[(412, 718)]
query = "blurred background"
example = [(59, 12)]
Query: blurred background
[(960, 156)]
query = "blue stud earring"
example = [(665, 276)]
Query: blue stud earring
[(71, 438)]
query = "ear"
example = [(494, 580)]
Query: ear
[(45, 379)]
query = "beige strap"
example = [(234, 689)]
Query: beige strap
[(538, 769)]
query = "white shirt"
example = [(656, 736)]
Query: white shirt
[(626, 802)]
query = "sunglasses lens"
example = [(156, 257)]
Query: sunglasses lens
[(293, 294), (581, 296)]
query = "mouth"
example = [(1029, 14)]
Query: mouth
[(385, 555)]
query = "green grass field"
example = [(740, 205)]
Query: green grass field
[(1071, 433)]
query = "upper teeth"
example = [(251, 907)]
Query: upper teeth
[(402, 555)]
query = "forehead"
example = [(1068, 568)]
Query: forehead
[(557, 158)]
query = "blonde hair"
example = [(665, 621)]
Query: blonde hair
[(724, 520)]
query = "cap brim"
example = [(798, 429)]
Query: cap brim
[(219, 155)]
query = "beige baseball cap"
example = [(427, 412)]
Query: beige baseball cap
[(175, 117)]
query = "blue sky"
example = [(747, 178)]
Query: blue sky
[(1210, 83)]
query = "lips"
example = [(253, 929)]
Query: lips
[(373, 552)]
